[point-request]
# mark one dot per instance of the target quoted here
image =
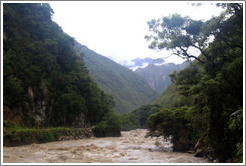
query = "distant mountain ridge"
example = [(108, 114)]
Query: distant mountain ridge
[(158, 76), (128, 89), (154, 71)]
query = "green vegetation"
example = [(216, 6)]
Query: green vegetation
[(138, 117), (171, 98), (129, 91), (171, 123), (21, 136), (206, 99), (141, 114), (45, 81), (128, 122), (48, 93), (109, 126)]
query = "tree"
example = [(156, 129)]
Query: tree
[(44, 79), (172, 122), (182, 35), (187, 37), (215, 82), (109, 126)]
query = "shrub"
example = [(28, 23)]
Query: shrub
[(170, 123), (110, 126)]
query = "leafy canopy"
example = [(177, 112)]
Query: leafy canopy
[(214, 86), (182, 35)]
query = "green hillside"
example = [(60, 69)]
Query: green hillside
[(129, 90), (45, 83)]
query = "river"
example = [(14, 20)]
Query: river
[(131, 147)]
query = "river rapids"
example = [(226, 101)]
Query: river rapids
[(131, 147)]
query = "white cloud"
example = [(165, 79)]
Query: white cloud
[(117, 28), (127, 63)]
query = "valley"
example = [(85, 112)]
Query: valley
[(128, 89), (56, 90)]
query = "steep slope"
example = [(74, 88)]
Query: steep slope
[(129, 90), (158, 76), (45, 83)]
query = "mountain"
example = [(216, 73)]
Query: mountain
[(128, 89), (157, 76), (45, 82), (141, 63)]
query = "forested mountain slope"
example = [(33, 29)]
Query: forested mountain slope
[(157, 76), (129, 90), (45, 83)]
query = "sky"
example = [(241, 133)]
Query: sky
[(116, 29)]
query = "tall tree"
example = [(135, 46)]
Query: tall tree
[(216, 81), (182, 35)]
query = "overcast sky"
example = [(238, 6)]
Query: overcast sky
[(116, 29)]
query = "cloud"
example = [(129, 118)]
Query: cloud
[(127, 63), (117, 28)]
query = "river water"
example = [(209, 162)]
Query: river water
[(131, 147)]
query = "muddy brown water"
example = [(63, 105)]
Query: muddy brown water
[(131, 147)]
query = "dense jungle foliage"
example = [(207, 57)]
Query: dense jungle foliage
[(206, 99), (45, 82)]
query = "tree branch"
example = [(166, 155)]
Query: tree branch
[(207, 57), (190, 56)]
